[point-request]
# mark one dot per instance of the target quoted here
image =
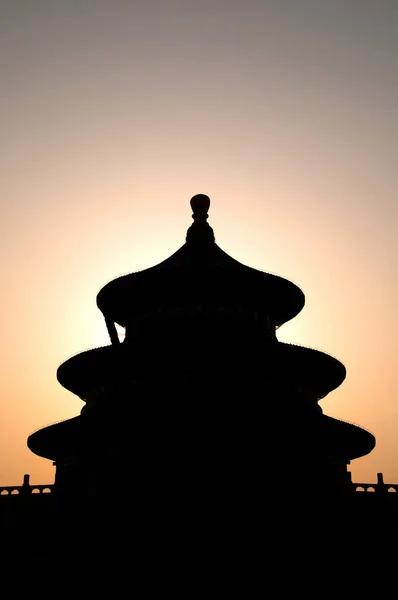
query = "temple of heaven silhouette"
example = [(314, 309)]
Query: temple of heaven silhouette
[(199, 406)]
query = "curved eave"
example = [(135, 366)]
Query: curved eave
[(57, 441), (345, 439), (80, 373), (315, 370)]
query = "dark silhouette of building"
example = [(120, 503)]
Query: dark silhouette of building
[(201, 437)]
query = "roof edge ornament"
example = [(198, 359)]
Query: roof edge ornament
[(200, 231)]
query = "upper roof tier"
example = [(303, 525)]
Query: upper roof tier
[(200, 274)]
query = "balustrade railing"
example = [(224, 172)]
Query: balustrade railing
[(26, 489)]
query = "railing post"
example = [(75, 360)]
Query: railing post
[(381, 486), (26, 485)]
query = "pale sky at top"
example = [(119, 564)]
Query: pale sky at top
[(114, 113)]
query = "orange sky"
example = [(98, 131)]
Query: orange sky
[(113, 114)]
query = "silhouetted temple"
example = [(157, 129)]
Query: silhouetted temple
[(200, 388), (201, 433)]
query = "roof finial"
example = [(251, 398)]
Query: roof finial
[(200, 205), (200, 231)]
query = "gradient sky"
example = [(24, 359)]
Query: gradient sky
[(114, 113)]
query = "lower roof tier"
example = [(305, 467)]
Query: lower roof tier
[(311, 371), (260, 439)]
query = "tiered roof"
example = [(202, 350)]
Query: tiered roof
[(202, 307)]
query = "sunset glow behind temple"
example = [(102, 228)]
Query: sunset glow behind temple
[(113, 114)]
